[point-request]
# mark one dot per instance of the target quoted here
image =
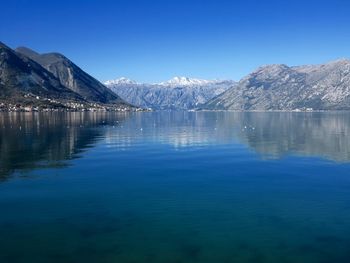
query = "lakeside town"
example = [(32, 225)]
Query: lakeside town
[(33, 103)]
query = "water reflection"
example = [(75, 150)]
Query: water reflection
[(174, 187), (271, 134), (33, 140), (311, 134), (29, 141)]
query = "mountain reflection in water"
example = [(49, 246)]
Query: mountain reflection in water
[(174, 187), (270, 134), (36, 140)]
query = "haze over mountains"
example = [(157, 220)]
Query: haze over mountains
[(178, 93), (49, 80)]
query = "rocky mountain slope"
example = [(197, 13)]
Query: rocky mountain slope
[(20, 77), (280, 87), (179, 93), (30, 80), (73, 77)]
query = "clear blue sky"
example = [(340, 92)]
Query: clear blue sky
[(155, 40)]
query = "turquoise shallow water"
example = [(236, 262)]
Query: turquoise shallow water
[(175, 187)]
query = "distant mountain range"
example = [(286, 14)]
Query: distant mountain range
[(179, 93), (270, 87), (49, 80), (280, 87)]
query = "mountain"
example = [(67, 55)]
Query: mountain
[(280, 87), (73, 77), (178, 93), (185, 81), (120, 81), (22, 80)]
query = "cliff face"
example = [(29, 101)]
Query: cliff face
[(20, 75), (73, 77)]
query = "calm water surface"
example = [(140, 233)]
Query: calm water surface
[(175, 187)]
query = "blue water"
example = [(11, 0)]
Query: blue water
[(175, 187)]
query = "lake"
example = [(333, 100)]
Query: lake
[(175, 187)]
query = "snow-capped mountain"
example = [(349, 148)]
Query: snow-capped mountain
[(280, 87), (185, 81), (120, 81), (177, 93)]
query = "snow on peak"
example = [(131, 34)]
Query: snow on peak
[(174, 82), (120, 81), (185, 81)]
